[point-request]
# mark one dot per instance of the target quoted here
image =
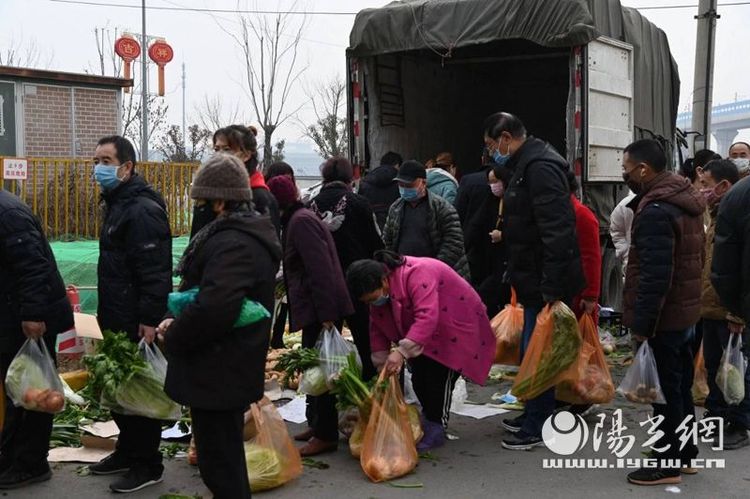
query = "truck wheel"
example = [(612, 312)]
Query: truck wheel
[(612, 283)]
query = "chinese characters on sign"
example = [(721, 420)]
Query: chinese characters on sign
[(15, 169)]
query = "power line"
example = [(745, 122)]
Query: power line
[(196, 9), (667, 7)]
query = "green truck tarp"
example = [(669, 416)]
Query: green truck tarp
[(443, 27)]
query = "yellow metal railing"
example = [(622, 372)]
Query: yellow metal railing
[(63, 194)]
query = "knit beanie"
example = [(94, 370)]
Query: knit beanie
[(222, 177), (283, 190)]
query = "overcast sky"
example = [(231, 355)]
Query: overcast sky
[(65, 32)]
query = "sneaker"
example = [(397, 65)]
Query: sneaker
[(513, 425), (434, 436), (110, 465), (655, 476), (14, 478), (522, 441), (137, 478), (735, 437)]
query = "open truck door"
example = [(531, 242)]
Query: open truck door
[(608, 92)]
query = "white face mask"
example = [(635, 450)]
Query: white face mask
[(743, 164)]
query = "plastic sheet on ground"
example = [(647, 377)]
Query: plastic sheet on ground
[(294, 411)]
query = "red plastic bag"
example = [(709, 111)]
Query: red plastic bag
[(388, 449), (508, 327), (700, 379), (594, 384)]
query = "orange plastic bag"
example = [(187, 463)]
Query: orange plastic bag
[(271, 457), (700, 379), (388, 449), (358, 435), (552, 353), (508, 326), (594, 384)]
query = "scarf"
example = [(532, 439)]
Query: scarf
[(257, 181)]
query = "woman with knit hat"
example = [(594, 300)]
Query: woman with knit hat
[(318, 298), (217, 369)]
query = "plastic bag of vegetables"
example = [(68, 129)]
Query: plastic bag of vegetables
[(550, 358), (641, 382), (271, 457), (594, 382), (334, 350), (250, 313), (700, 387), (32, 381), (731, 376), (142, 394), (388, 448), (508, 326)]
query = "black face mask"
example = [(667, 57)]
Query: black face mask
[(202, 216), (632, 183)]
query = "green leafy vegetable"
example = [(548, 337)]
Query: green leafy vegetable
[(296, 362), (115, 362)]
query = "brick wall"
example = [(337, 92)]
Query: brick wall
[(96, 116), (48, 129), (47, 124)]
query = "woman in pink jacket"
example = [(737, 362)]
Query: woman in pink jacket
[(437, 323)]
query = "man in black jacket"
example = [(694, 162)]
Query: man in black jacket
[(33, 305), (379, 188), (544, 264), (134, 279)]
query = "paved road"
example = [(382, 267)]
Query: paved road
[(475, 466)]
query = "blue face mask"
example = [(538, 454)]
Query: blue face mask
[(382, 300), (500, 159), (106, 176), (408, 193)]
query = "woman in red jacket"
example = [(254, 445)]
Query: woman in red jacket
[(587, 232)]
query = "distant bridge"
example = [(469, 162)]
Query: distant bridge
[(726, 122)]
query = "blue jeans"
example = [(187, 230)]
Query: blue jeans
[(715, 339), (540, 408), (674, 362)]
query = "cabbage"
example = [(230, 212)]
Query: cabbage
[(23, 373), (264, 468), (314, 381), (143, 395), (731, 382)]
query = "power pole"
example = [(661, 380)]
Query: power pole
[(144, 85), (184, 129), (703, 82)]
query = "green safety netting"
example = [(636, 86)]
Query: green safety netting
[(77, 263)]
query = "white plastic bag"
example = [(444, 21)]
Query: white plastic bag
[(731, 376), (641, 382), (32, 381), (143, 394), (334, 350)]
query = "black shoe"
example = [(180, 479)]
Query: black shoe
[(521, 441), (513, 425), (650, 476), (137, 478), (13, 478), (735, 437), (110, 465)]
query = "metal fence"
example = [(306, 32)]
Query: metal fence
[(63, 194)]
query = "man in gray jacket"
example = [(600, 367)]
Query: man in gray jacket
[(422, 224)]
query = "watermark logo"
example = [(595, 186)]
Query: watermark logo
[(565, 433)]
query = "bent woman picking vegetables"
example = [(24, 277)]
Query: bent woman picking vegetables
[(435, 320)]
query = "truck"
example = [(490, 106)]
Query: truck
[(587, 76)]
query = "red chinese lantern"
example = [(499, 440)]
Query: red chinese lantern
[(161, 53), (128, 49)]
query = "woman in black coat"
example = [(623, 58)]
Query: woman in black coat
[(214, 368), (351, 221), (318, 298)]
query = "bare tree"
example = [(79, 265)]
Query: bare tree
[(270, 50), (25, 54), (213, 113), (171, 145), (329, 132)]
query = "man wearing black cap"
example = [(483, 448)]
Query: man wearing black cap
[(422, 224)]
